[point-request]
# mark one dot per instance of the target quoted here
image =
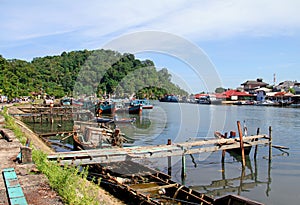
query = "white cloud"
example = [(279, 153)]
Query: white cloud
[(197, 20)]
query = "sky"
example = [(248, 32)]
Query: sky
[(242, 39)]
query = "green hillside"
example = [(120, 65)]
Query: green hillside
[(85, 72)]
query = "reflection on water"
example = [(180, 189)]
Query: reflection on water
[(270, 182), (245, 181)]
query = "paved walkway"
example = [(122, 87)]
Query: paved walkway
[(35, 186)]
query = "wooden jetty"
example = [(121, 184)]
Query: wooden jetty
[(41, 114), (156, 151)]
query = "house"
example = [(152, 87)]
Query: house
[(234, 95), (297, 88), (251, 85), (261, 94), (285, 85)]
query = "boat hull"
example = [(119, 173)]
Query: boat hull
[(137, 109)]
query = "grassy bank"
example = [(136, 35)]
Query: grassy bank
[(68, 182)]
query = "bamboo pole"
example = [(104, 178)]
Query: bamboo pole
[(241, 143)]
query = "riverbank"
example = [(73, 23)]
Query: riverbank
[(35, 184)]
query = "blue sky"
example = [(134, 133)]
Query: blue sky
[(243, 39)]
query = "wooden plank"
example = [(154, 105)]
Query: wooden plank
[(156, 188), (121, 154)]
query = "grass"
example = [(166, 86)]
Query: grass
[(10, 124), (69, 182)]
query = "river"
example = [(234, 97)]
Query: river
[(272, 181)]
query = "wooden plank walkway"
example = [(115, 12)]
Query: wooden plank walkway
[(96, 156), (14, 191)]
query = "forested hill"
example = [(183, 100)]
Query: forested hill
[(85, 72)]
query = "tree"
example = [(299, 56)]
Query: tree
[(220, 90)]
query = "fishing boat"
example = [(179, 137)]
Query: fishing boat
[(105, 107), (145, 103), (136, 109), (219, 135), (137, 184), (65, 102), (169, 98), (78, 103), (98, 138)]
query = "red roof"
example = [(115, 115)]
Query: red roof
[(283, 94), (230, 93), (200, 95), (279, 94)]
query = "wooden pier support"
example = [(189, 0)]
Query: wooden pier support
[(270, 143), (241, 143), (169, 160), (183, 169), (155, 151), (255, 151)]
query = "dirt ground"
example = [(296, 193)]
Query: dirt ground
[(34, 184)]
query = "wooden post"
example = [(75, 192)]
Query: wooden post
[(26, 154), (224, 151), (183, 170), (255, 151), (270, 143), (169, 160), (241, 143), (51, 113)]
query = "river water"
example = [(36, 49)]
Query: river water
[(275, 181)]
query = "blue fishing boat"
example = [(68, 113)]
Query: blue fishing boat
[(136, 109), (105, 108), (145, 103), (169, 98)]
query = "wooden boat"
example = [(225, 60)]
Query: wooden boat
[(105, 107), (115, 120), (204, 100), (98, 138), (137, 184), (75, 103), (145, 103), (169, 98), (247, 149), (104, 120), (65, 102), (235, 200), (136, 109)]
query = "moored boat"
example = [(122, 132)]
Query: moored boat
[(169, 98), (136, 109), (105, 107), (137, 184), (98, 138), (145, 103)]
